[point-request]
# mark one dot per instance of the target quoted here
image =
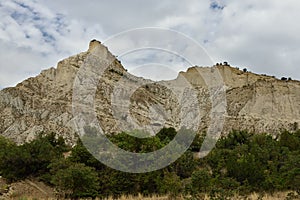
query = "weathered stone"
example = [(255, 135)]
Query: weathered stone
[(44, 103)]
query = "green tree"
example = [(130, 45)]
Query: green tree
[(291, 171), (201, 181), (14, 163), (185, 165), (290, 140), (76, 181), (29, 159), (171, 184), (80, 154)]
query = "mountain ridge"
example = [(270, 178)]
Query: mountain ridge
[(257, 103)]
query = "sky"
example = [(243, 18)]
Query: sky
[(263, 36)]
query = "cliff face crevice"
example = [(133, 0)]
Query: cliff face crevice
[(43, 103)]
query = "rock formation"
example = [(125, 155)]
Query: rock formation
[(256, 103)]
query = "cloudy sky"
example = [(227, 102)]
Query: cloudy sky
[(263, 36)]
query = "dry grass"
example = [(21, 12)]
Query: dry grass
[(253, 196), (275, 196), (140, 197)]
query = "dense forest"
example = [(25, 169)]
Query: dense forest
[(240, 163)]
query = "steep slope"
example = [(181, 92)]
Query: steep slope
[(258, 103), (44, 103)]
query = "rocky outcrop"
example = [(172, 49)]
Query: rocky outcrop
[(254, 102)]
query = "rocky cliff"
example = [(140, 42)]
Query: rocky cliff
[(257, 103)]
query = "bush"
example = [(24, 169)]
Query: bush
[(29, 159), (76, 181), (171, 184), (201, 181)]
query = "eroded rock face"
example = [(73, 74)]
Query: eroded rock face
[(44, 103)]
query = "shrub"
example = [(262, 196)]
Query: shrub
[(76, 181)]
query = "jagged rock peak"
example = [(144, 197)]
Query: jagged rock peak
[(94, 44)]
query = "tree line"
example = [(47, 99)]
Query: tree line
[(241, 162)]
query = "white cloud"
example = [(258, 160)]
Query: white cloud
[(37, 36), (261, 35), (19, 63)]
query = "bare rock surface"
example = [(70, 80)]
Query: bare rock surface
[(257, 103)]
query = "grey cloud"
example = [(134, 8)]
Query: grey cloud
[(39, 37), (20, 63), (261, 35)]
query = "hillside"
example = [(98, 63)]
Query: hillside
[(257, 103)]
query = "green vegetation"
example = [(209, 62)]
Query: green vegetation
[(240, 163)]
